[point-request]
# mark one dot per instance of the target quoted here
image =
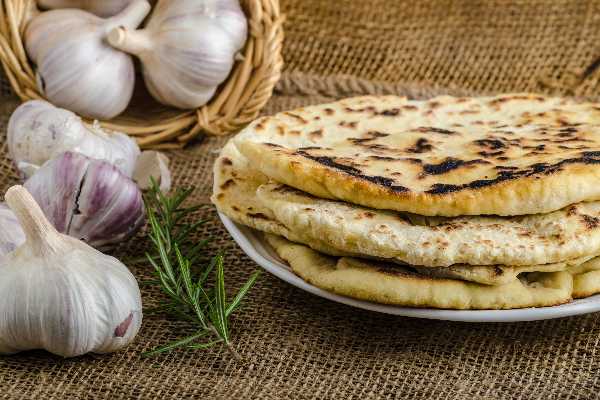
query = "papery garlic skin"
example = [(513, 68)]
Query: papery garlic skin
[(76, 68), (11, 234), (88, 199), (102, 8), (187, 48), (61, 295), (38, 131), (152, 165)]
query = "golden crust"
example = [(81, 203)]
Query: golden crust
[(245, 195), (505, 155), (391, 284)]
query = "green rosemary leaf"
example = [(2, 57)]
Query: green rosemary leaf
[(237, 300), (220, 300), (176, 344), (149, 282), (183, 273), (207, 271), (205, 345)]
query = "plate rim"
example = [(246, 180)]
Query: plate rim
[(243, 236)]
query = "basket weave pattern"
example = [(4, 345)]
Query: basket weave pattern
[(238, 101)]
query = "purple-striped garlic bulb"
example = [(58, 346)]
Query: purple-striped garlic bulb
[(88, 199)]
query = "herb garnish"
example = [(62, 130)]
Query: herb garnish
[(184, 276)]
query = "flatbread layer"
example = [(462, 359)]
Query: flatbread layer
[(507, 155), (392, 284), (337, 228)]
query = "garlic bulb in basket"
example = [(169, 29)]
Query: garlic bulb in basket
[(76, 68), (102, 8), (88, 199), (61, 295), (38, 131), (187, 48)]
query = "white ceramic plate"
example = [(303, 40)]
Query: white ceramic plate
[(259, 251)]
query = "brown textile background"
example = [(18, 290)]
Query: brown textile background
[(481, 45), (299, 346)]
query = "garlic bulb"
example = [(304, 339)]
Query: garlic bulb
[(38, 131), (77, 69), (11, 234), (102, 8), (61, 295), (187, 48), (88, 199)]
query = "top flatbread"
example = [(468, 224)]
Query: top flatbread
[(341, 229), (506, 155)]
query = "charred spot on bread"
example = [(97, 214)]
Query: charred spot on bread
[(227, 184), (297, 117), (355, 172), (422, 145), (258, 216), (431, 129), (448, 165), (589, 221)]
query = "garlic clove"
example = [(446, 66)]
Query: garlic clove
[(110, 207), (55, 187), (88, 199), (38, 131), (76, 68), (152, 165), (61, 295), (187, 48)]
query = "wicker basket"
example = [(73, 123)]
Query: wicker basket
[(238, 101)]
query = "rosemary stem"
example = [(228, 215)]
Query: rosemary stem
[(233, 352), (228, 344)]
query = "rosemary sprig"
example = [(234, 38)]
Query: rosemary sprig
[(183, 274)]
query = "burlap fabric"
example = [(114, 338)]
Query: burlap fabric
[(296, 345)]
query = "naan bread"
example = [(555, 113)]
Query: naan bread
[(506, 155), (338, 228), (392, 284), (586, 278), (497, 274)]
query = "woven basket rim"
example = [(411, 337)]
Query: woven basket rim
[(238, 101)]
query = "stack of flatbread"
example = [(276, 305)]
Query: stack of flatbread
[(463, 203)]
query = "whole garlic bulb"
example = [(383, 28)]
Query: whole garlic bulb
[(76, 68), (88, 199), (61, 295), (102, 8), (38, 131), (187, 48)]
